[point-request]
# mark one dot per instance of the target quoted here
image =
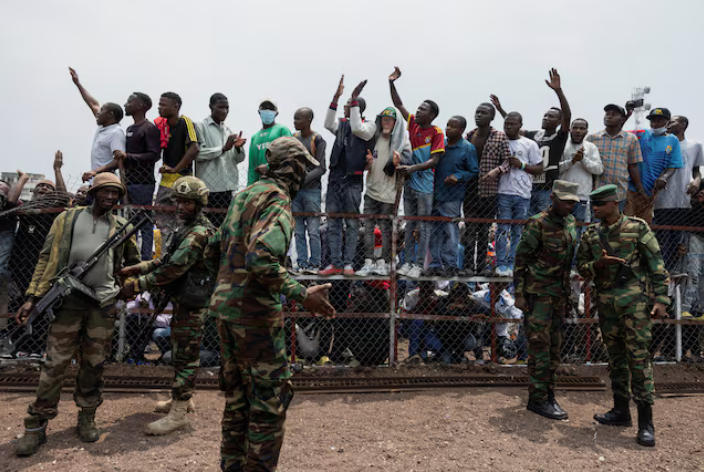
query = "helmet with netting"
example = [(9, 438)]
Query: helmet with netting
[(191, 188)]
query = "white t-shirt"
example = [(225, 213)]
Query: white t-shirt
[(517, 182), (107, 140), (674, 196)]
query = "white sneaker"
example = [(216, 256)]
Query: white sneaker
[(311, 270), (381, 268), (405, 269), (367, 269), (503, 272), (414, 272)]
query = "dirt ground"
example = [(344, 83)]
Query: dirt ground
[(449, 430)]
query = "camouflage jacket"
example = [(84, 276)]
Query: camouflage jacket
[(188, 254), (631, 239), (544, 255), (57, 248), (248, 254)]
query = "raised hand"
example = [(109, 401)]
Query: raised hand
[(239, 141), (495, 102), (58, 160), (395, 75), (554, 82), (22, 176), (358, 90), (74, 75), (340, 88), (87, 176)]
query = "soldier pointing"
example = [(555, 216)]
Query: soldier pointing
[(622, 256)]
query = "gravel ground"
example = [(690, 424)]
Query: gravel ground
[(448, 430)]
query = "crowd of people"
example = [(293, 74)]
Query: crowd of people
[(213, 237)]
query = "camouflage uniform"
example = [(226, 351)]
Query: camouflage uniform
[(248, 252), (543, 261), (186, 325), (80, 324), (624, 315)]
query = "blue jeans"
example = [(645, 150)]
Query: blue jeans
[(581, 214), (142, 194), (445, 240), (539, 201), (7, 238), (307, 200), (510, 207), (417, 204), (343, 197)]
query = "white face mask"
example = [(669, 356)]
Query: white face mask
[(659, 131)]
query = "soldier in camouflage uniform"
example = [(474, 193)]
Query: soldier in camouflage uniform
[(248, 252), (542, 281), (82, 324), (182, 265), (622, 257)]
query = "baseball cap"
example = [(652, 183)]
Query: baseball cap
[(659, 113), (618, 108), (388, 112), (276, 107)]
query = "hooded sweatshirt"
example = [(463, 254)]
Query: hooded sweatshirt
[(381, 177)]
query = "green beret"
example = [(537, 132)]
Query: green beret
[(607, 193)]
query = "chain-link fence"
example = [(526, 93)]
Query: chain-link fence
[(420, 262)]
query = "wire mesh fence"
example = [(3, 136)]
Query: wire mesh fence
[(420, 263)]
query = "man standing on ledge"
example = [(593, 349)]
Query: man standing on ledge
[(622, 257), (248, 254), (542, 279)]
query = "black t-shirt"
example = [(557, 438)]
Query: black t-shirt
[(143, 147), (551, 148), (8, 222), (180, 137)]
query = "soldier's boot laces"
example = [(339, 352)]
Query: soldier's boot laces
[(86, 428), (555, 405), (165, 406), (174, 420), (34, 436), (620, 415), (646, 429), (546, 409)]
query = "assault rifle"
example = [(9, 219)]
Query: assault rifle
[(68, 281)]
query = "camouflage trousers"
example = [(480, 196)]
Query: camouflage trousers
[(543, 327), (254, 374), (82, 330), (627, 333), (186, 334)]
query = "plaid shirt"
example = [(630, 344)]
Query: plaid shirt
[(496, 151), (616, 153)]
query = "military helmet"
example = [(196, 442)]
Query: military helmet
[(191, 188)]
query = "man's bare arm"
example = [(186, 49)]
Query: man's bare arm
[(92, 103), (394, 93)]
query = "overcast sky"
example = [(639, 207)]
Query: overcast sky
[(454, 52)]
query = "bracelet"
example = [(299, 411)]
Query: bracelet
[(523, 166)]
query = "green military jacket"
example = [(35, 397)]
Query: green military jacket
[(631, 239), (544, 255), (188, 254), (248, 254)]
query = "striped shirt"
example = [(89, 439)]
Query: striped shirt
[(616, 153)]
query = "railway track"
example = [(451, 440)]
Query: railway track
[(319, 385), (27, 382)]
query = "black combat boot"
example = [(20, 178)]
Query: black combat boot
[(86, 428), (555, 405), (34, 436), (646, 430), (620, 415), (546, 409)]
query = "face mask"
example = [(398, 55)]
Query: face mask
[(659, 131), (267, 116)]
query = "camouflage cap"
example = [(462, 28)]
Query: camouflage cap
[(607, 193), (388, 112), (191, 188), (567, 191), (106, 179), (289, 147)]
